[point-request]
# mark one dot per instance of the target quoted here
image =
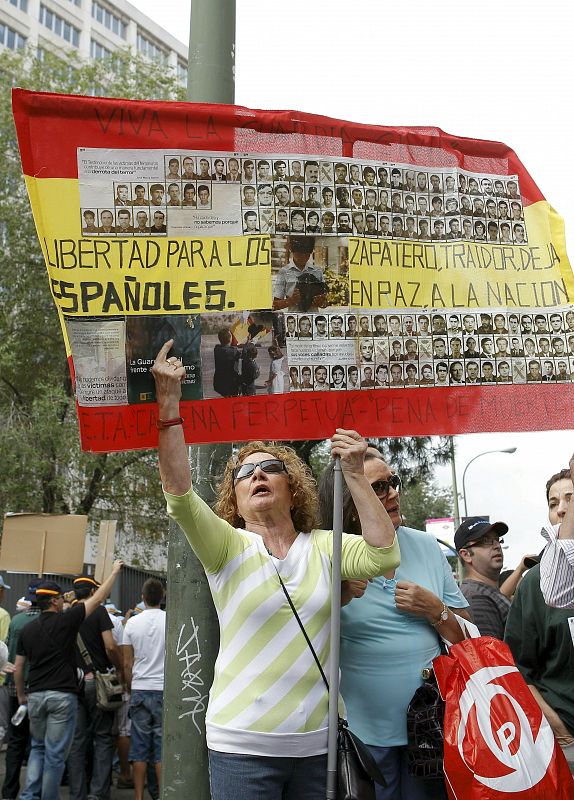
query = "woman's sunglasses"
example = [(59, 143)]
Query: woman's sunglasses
[(381, 488), (271, 466)]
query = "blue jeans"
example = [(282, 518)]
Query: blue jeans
[(146, 710), (392, 761), (243, 777), (93, 737), (52, 722)]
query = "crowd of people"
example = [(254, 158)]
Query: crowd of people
[(266, 548), (60, 644)]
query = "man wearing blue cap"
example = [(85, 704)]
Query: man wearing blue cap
[(48, 644), (18, 735), (479, 545)]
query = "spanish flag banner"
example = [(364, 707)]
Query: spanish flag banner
[(313, 272)]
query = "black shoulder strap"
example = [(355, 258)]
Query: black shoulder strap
[(294, 610)]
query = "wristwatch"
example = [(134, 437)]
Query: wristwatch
[(443, 616)]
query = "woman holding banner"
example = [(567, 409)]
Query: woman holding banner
[(267, 716)]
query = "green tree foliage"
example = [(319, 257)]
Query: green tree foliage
[(424, 500), (42, 467), (413, 457)]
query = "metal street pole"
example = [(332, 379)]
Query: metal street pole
[(454, 485), (192, 642), (211, 64), (192, 637), (486, 453), (334, 654)]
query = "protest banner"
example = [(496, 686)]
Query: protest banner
[(401, 281)]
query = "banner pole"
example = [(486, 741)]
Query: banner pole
[(192, 639), (335, 632), (211, 61)]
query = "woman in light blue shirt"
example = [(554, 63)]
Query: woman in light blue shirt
[(392, 633)]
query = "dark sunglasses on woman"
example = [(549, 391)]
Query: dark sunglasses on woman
[(271, 466)]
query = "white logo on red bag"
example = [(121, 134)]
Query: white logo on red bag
[(520, 757)]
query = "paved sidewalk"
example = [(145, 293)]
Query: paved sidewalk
[(116, 794)]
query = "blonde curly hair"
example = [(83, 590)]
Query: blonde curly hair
[(303, 487)]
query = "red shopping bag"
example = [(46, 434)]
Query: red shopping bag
[(497, 743)]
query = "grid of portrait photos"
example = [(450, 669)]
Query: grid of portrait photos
[(428, 348), (306, 195)]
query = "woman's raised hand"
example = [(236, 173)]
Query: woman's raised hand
[(168, 374), (351, 447)]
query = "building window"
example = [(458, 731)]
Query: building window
[(59, 26), (77, 3), (98, 51), (182, 72), (109, 20), (150, 49), (11, 38), (21, 4)]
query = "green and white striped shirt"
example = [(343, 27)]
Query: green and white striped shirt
[(268, 697)]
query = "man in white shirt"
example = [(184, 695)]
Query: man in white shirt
[(286, 291), (118, 630), (144, 651)]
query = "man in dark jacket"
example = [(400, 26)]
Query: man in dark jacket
[(249, 370), (540, 638), (226, 356)]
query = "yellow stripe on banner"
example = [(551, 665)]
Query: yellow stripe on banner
[(408, 274), (100, 276)]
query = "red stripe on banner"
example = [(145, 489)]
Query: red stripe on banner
[(315, 415), (59, 124)]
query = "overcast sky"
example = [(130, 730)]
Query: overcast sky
[(487, 70)]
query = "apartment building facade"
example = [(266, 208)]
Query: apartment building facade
[(93, 28)]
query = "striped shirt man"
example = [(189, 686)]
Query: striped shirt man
[(557, 569)]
